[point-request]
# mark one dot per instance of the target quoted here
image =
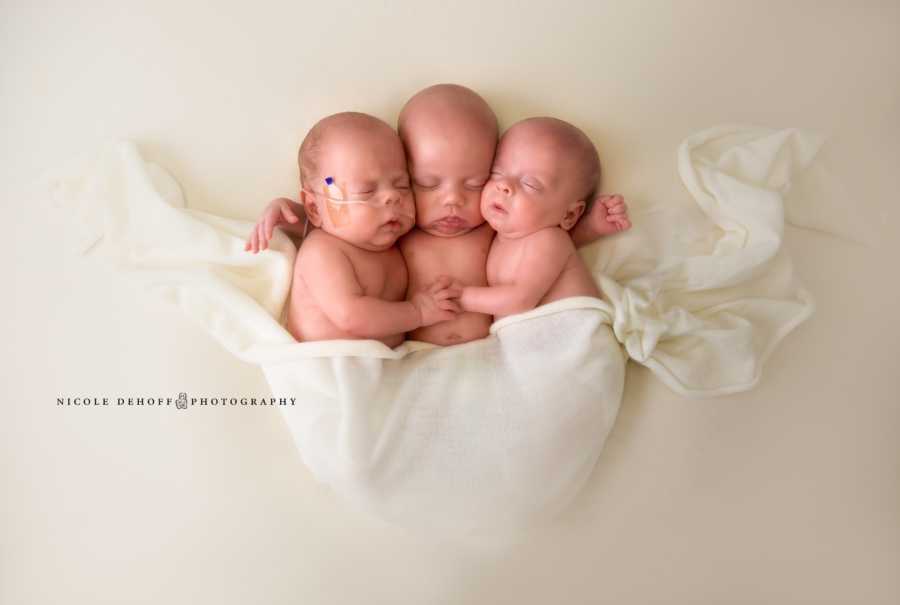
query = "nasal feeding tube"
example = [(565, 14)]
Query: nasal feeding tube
[(336, 203)]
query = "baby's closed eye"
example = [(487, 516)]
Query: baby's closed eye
[(477, 184)]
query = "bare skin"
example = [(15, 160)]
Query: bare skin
[(463, 257), (350, 280), (543, 172), (281, 212), (380, 276), (450, 135)]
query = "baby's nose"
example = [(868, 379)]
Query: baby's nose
[(392, 197), (454, 198), (502, 187)]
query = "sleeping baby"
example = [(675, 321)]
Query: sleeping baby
[(350, 280), (450, 136), (544, 176)]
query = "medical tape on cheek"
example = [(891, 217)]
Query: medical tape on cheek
[(339, 213)]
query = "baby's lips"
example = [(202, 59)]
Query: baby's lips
[(498, 207)]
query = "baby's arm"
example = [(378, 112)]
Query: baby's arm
[(332, 282), (543, 258), (281, 212), (609, 214)]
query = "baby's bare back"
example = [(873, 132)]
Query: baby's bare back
[(379, 274), (462, 257)]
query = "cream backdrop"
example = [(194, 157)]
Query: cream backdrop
[(789, 493)]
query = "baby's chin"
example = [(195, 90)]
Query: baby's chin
[(509, 231), (499, 223), (377, 243), (387, 235), (383, 238)]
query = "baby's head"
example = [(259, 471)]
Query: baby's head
[(544, 175), (354, 183), (450, 135)]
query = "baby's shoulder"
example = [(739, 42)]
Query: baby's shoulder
[(551, 245), (320, 247), (552, 237), (317, 241)]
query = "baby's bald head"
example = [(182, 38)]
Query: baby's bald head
[(446, 109), (340, 127), (568, 142), (450, 136)]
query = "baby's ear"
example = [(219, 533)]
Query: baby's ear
[(311, 206), (573, 213)]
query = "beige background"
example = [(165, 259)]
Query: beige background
[(786, 494)]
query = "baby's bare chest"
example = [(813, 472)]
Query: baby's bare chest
[(380, 274), (462, 257)]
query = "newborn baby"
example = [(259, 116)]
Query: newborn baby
[(544, 176), (450, 135), (350, 280)]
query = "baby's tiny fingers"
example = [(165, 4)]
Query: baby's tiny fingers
[(287, 213), (263, 241), (449, 305), (268, 227), (445, 294), (441, 282)]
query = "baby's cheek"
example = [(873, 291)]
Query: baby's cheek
[(422, 204), (473, 201)]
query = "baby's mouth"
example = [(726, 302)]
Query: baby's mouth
[(498, 208), (450, 224), (392, 224)]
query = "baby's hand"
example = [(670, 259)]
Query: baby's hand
[(436, 303), (280, 212), (609, 214)]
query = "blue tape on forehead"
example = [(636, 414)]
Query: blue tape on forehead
[(329, 180)]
